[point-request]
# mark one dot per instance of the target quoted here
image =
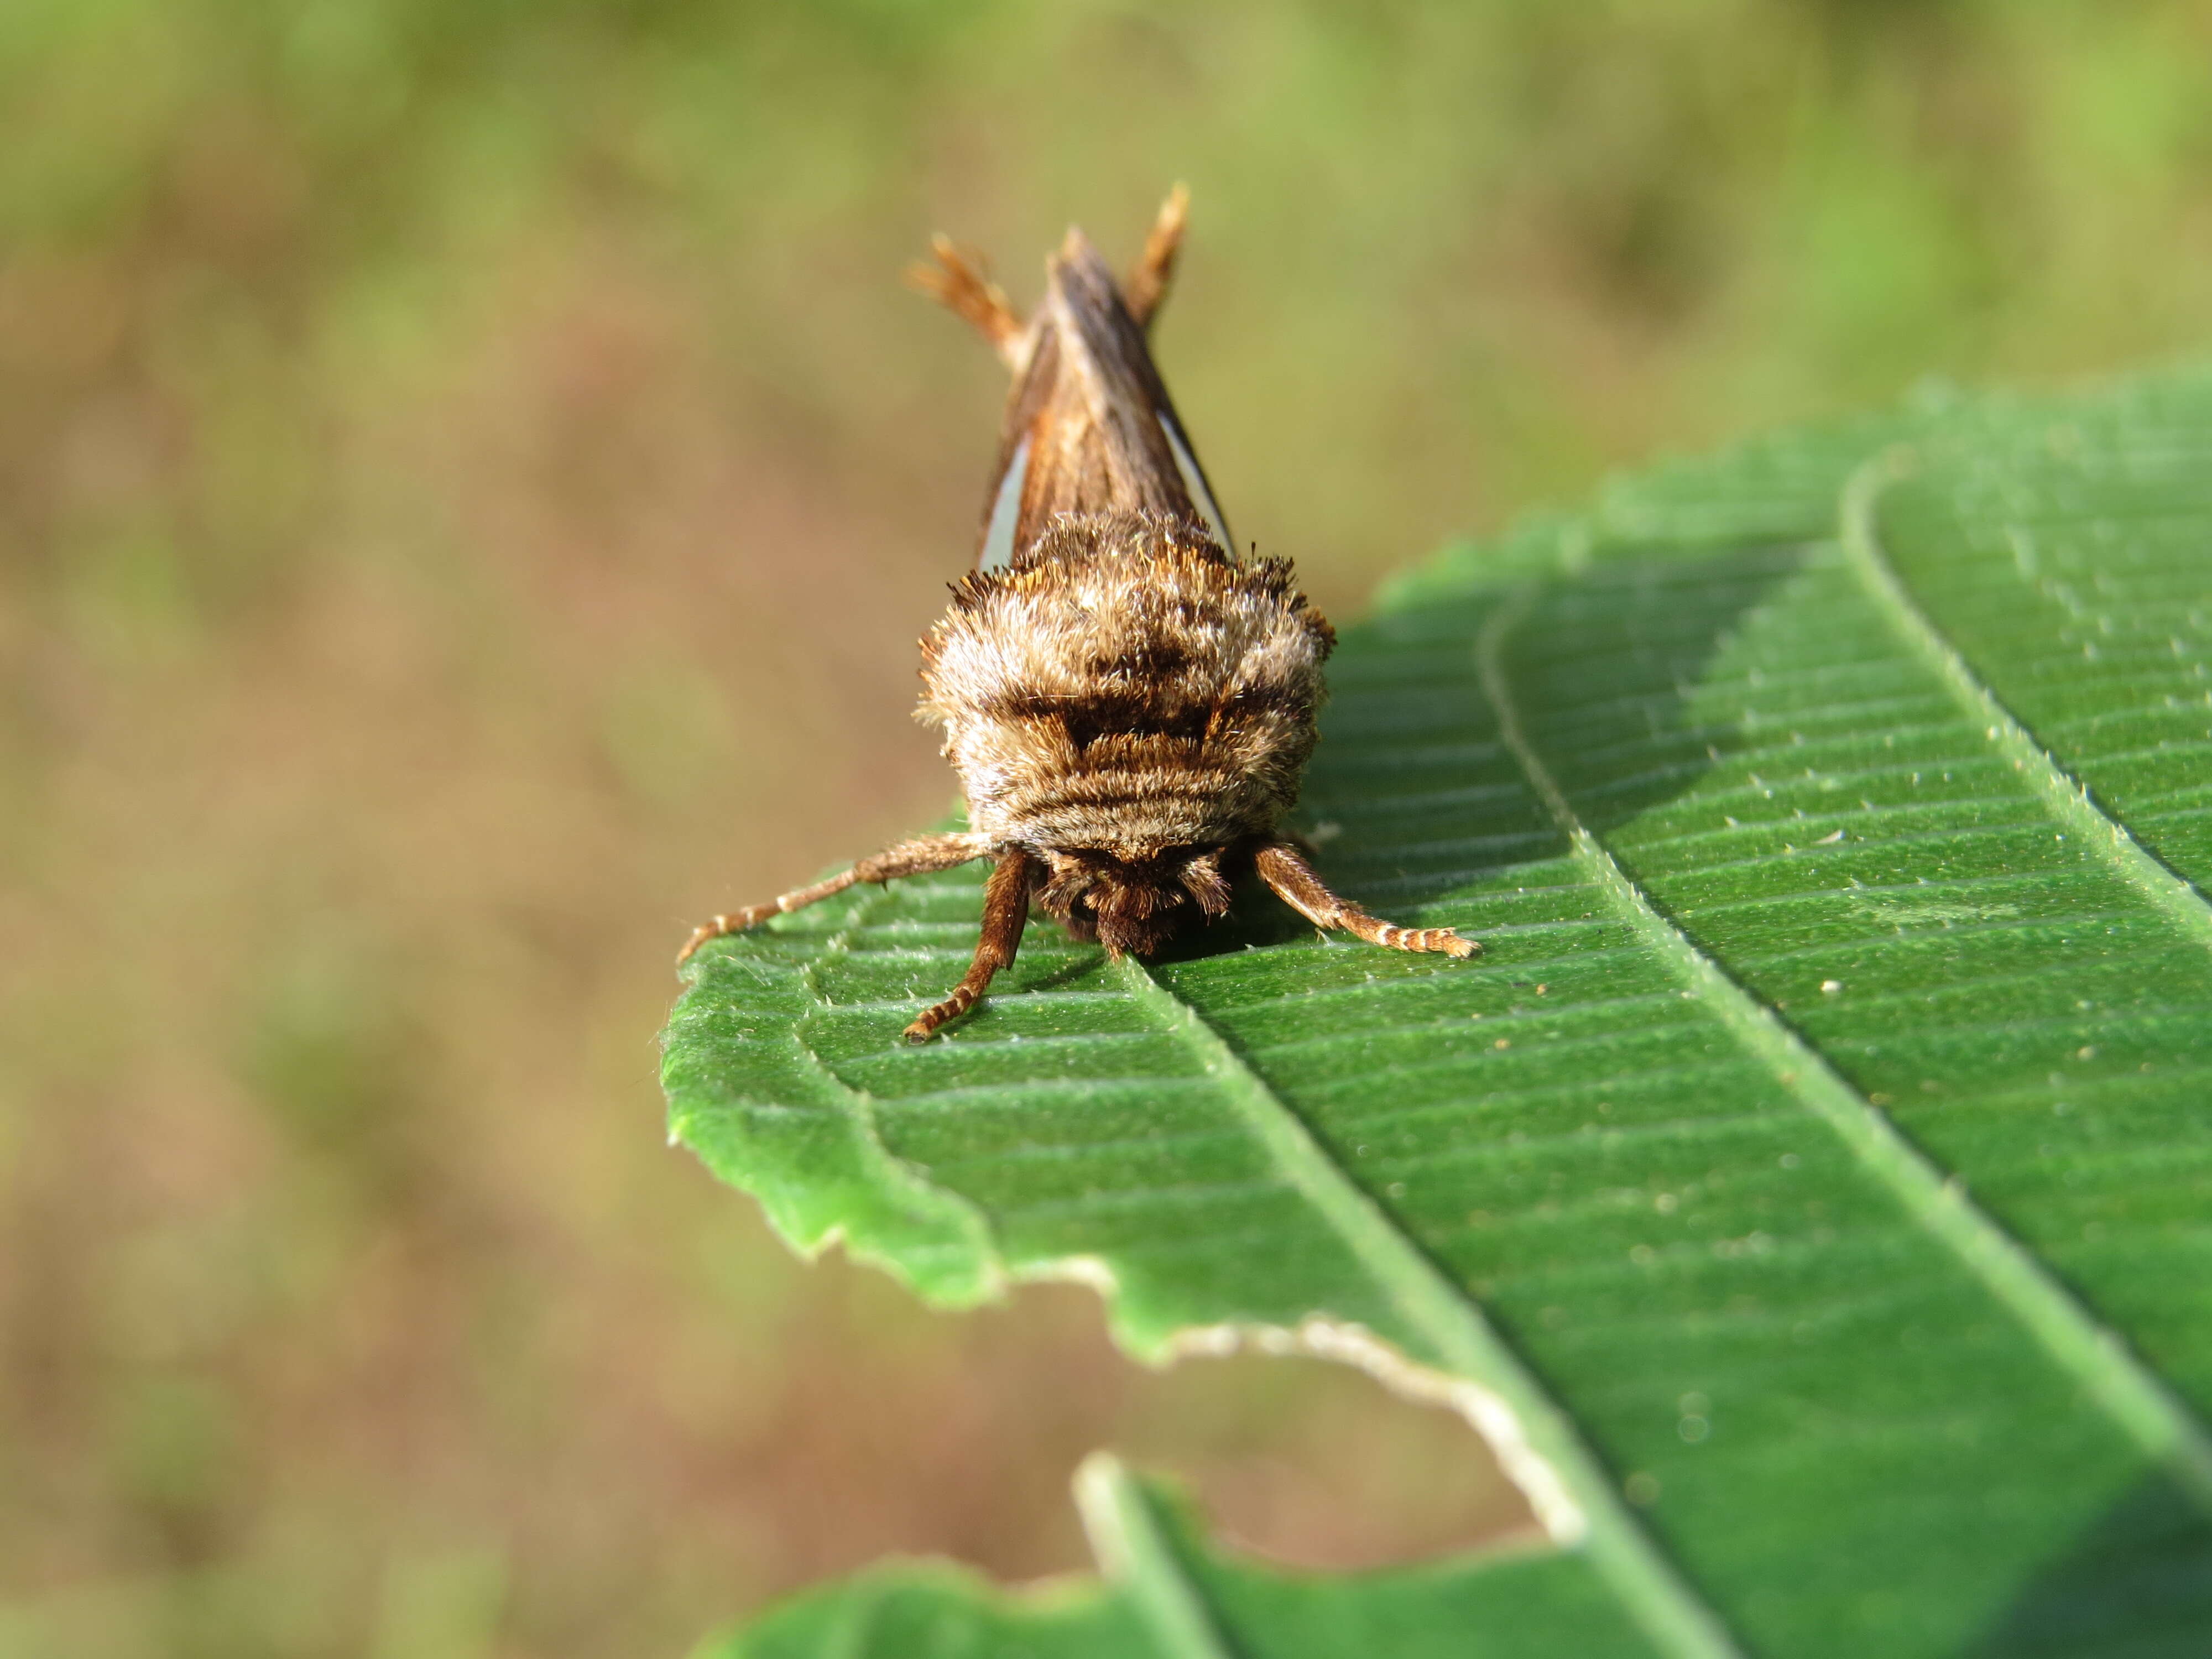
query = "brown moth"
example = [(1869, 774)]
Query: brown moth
[(1128, 705)]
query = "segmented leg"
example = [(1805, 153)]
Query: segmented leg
[(1148, 279), (1006, 910), (957, 282), (1284, 868), (918, 857)]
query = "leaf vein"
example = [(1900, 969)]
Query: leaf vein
[(2070, 799), (1455, 1327), (2134, 1398)]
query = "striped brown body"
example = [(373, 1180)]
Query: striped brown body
[(1128, 706)]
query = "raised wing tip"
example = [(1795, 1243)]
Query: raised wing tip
[(1077, 268), (1075, 249)]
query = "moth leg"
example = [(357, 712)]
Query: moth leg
[(1006, 911), (1155, 268), (957, 283), (918, 857), (1284, 869)]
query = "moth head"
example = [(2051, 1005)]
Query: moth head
[(1132, 901)]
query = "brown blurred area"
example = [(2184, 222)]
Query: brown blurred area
[(469, 486)]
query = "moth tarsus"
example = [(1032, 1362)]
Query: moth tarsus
[(924, 855), (1005, 912), (959, 282), (1155, 268), (1283, 866), (1129, 707)]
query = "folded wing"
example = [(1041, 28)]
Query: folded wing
[(1090, 428)]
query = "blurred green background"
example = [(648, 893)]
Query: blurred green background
[(469, 485)]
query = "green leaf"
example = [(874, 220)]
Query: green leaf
[(1169, 1594), (1807, 1191)]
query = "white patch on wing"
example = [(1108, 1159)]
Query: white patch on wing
[(1195, 482), (999, 537)]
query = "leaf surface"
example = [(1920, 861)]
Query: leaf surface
[(1807, 1186)]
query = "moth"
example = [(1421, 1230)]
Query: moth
[(1129, 706)]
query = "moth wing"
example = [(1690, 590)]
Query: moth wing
[(996, 551), (1090, 426), (1194, 477)]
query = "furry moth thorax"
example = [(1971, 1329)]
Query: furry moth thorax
[(1130, 703)]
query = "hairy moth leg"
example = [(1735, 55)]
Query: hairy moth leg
[(1006, 911), (1155, 268), (1284, 869), (958, 282), (920, 857)]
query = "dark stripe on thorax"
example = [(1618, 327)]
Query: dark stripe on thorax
[(1147, 711)]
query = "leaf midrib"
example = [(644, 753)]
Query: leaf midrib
[(2125, 1390), (2069, 797), (1650, 1586), (1134, 1553)]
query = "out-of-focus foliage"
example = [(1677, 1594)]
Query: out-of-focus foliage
[(469, 486)]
